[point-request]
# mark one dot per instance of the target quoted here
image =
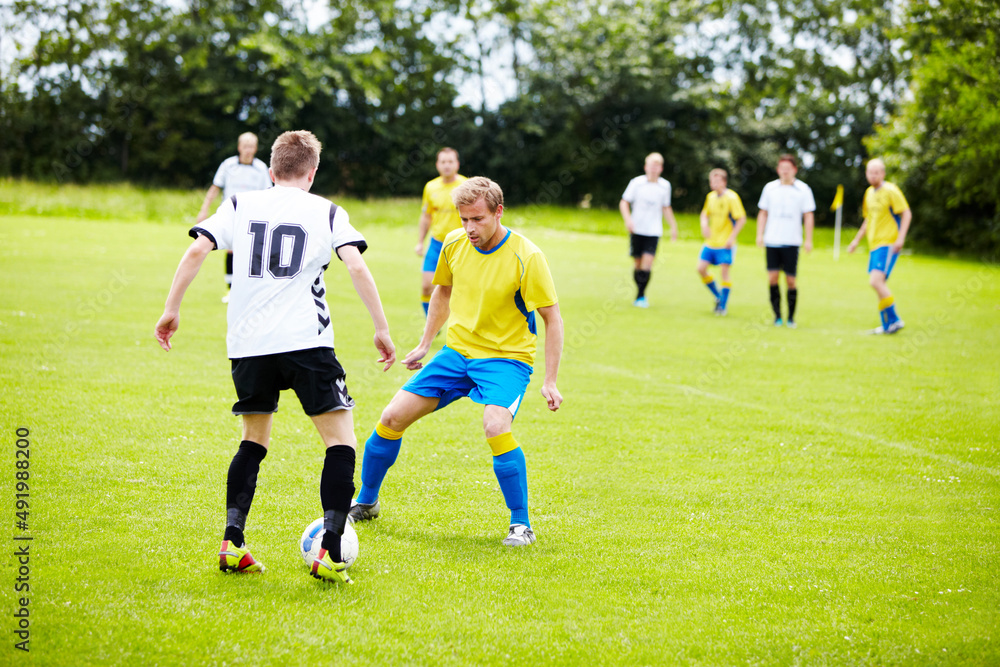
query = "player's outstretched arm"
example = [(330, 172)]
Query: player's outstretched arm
[(761, 226), (213, 192), (668, 213), (364, 285), (626, 211), (904, 227), (437, 317), (731, 241), (423, 227), (553, 354), (857, 237), (186, 271), (810, 222)]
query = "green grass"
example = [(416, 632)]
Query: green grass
[(713, 491)]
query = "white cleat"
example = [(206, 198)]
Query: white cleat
[(895, 326), (519, 535)]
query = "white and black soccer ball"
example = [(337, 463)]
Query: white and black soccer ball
[(312, 540)]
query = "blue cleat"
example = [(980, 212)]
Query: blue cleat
[(641, 302), (778, 322)]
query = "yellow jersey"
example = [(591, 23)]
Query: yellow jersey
[(494, 296), (882, 208), (437, 201), (723, 211)]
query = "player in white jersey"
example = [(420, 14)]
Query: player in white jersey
[(280, 335), (785, 206), (644, 205), (237, 174)]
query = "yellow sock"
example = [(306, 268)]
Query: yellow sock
[(387, 433), (503, 443)]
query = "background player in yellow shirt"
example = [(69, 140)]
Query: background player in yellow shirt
[(492, 281), (722, 218), (437, 215), (887, 219)]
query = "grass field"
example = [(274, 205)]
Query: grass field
[(713, 490)]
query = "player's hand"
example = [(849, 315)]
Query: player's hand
[(673, 235), (419, 249), (851, 248), (383, 343), (165, 328), (896, 247), (552, 395), (730, 243), (629, 227), (808, 246), (412, 360), (760, 241)]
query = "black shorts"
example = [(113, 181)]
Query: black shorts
[(640, 245), (783, 258), (316, 376)]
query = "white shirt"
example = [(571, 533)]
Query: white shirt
[(235, 177), (647, 200), (281, 240), (785, 206)]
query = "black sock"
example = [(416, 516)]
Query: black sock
[(776, 301), (792, 295), (336, 488), (641, 280), (241, 484)]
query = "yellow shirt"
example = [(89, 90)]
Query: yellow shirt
[(437, 201), (494, 296), (723, 211), (882, 209)]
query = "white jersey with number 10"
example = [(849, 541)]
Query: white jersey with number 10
[(282, 241)]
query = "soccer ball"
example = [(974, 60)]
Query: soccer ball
[(312, 540)]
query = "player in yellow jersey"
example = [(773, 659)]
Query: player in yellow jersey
[(492, 281), (887, 219), (722, 218), (438, 215)]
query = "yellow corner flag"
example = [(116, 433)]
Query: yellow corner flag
[(838, 199)]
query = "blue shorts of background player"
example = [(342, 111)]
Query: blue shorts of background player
[(882, 259), (450, 376), (717, 256), (432, 254)]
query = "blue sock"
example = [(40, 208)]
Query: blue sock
[(512, 473), (426, 305), (710, 284), (380, 454), (890, 316), (724, 299)]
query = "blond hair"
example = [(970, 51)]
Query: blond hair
[(295, 154), (476, 188), (655, 157), (719, 172), (246, 136)]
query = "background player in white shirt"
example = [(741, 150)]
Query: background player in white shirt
[(644, 205), (280, 336), (785, 205), (237, 174)]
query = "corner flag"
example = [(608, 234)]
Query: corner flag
[(838, 206)]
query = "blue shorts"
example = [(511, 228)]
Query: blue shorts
[(716, 256), (450, 376), (882, 259), (432, 254)]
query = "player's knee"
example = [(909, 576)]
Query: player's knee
[(875, 279), (391, 418), (495, 427)]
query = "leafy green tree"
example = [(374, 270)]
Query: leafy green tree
[(945, 142)]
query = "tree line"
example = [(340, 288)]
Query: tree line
[(155, 93)]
